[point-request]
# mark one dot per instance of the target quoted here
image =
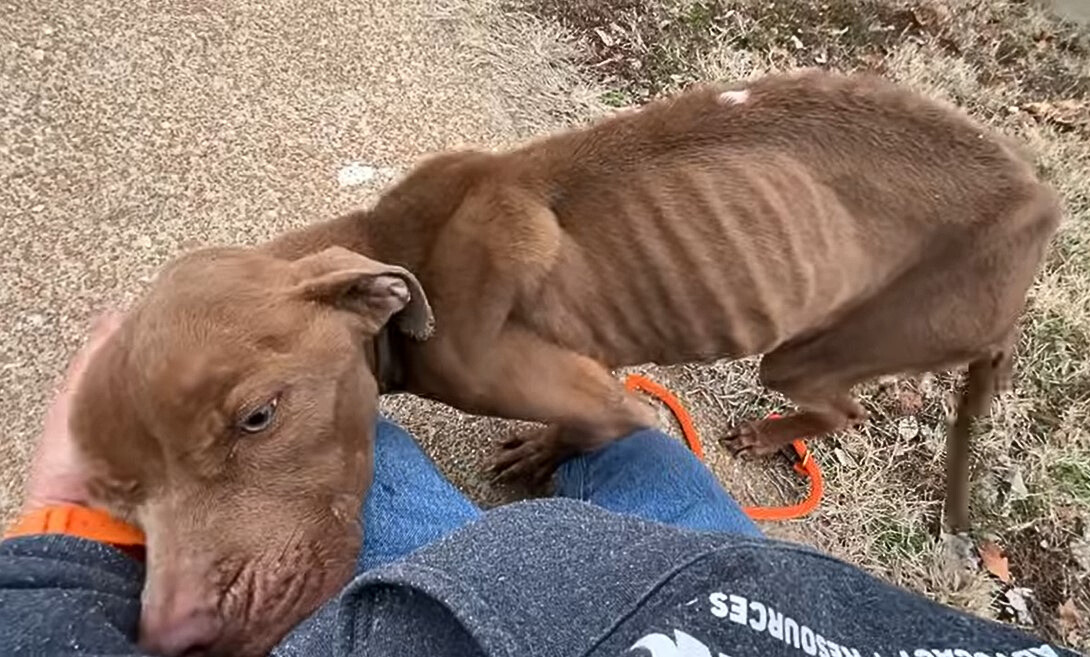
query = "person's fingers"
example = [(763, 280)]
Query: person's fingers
[(56, 474)]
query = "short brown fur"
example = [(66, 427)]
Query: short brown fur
[(841, 226)]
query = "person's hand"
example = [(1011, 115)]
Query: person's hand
[(57, 475)]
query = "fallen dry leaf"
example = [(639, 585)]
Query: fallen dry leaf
[(991, 557), (1018, 491), (1069, 615), (1068, 113), (1017, 601), (931, 15), (908, 427), (909, 402)]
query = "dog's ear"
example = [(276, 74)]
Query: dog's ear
[(371, 288)]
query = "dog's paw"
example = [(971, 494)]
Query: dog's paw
[(750, 439), (530, 457)]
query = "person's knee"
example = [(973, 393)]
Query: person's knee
[(651, 450), (655, 442), (637, 461)]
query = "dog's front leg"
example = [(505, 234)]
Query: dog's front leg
[(523, 377)]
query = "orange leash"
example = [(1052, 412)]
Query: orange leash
[(806, 466), (640, 383)]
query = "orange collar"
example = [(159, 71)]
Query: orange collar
[(81, 521)]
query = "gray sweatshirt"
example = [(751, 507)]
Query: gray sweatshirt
[(549, 578)]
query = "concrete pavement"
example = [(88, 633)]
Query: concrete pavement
[(132, 131)]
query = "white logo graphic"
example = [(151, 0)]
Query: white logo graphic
[(682, 645)]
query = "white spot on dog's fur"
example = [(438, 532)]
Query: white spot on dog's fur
[(734, 97)]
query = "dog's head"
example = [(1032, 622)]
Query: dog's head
[(231, 417)]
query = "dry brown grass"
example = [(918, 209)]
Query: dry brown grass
[(1017, 67)]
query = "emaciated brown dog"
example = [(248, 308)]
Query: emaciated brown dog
[(841, 226)]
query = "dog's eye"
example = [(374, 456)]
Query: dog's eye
[(260, 418)]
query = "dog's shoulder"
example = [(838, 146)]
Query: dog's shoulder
[(480, 208), (429, 195), (437, 184)]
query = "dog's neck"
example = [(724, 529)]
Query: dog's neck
[(399, 230), (384, 357), (406, 220), (348, 231), (394, 235)]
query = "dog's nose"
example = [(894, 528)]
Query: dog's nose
[(179, 629)]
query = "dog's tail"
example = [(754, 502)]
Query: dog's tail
[(987, 376)]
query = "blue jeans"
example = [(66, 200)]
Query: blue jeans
[(646, 474)]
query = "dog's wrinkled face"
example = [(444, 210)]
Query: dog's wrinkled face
[(231, 417)]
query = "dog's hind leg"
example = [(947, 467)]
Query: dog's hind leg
[(826, 406), (932, 319), (822, 395), (986, 376), (892, 334)]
